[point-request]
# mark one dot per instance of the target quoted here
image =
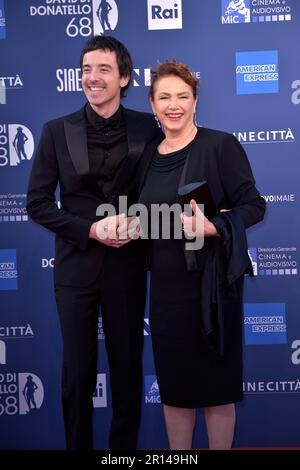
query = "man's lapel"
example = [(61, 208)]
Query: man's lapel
[(76, 137)]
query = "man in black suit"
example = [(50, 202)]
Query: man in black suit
[(93, 154)]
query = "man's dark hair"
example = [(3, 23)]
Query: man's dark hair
[(109, 43)]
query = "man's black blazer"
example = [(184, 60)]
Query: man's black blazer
[(62, 158)]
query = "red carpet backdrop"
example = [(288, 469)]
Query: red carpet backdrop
[(247, 58)]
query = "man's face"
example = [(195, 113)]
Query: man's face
[(101, 81)]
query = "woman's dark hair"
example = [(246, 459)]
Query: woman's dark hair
[(109, 43), (177, 69)]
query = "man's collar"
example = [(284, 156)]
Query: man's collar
[(99, 122)]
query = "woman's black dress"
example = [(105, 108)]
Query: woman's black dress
[(189, 373)]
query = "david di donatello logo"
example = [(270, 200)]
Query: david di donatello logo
[(255, 11), (83, 17), (16, 144), (21, 393), (257, 72), (265, 323)]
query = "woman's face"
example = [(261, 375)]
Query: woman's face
[(173, 103)]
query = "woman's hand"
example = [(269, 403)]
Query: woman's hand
[(197, 225)]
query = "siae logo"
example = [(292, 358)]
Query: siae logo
[(164, 14), (16, 144)]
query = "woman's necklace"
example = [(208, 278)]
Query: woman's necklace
[(168, 147)]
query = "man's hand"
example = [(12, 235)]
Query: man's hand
[(116, 231), (106, 231), (129, 227)]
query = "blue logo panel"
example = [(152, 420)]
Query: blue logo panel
[(257, 72), (235, 11), (8, 270), (265, 323), (2, 20)]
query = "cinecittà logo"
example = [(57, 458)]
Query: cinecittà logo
[(265, 136), (17, 331), (85, 17), (256, 11), (12, 82), (272, 386)]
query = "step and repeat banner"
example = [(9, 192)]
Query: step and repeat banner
[(246, 56)]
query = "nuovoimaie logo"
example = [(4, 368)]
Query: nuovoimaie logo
[(2, 20), (16, 144), (8, 270), (257, 72), (265, 323)]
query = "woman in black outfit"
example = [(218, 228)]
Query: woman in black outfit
[(196, 297)]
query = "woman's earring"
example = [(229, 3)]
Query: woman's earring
[(157, 121), (195, 119)]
